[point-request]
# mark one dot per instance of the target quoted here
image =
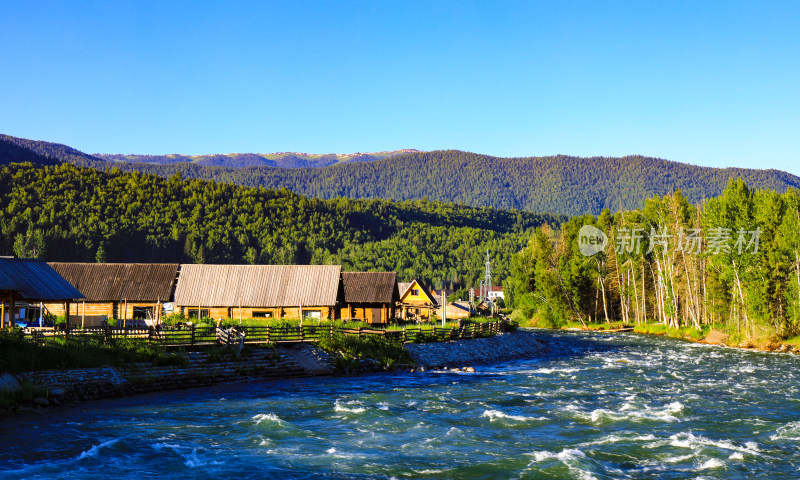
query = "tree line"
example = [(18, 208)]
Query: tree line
[(732, 262)]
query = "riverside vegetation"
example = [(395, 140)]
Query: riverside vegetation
[(750, 291)]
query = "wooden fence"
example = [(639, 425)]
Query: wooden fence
[(191, 335)]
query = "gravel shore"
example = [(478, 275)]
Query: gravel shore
[(480, 351)]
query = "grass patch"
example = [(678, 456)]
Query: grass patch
[(21, 354), (688, 333), (24, 395), (350, 352)]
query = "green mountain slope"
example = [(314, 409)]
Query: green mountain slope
[(559, 184), (69, 213)]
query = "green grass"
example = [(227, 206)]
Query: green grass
[(689, 333), (21, 354), (23, 395), (350, 352)]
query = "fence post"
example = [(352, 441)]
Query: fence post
[(192, 340), (267, 333), (359, 332), (302, 332)]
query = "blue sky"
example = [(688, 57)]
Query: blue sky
[(709, 83)]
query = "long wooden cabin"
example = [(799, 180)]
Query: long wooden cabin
[(125, 291), (32, 282), (252, 291), (369, 296)]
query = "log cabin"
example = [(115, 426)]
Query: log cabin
[(253, 291), (124, 291), (369, 297)]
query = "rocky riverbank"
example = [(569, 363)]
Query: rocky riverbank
[(501, 348), (67, 387)]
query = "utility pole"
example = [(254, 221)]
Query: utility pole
[(487, 276)]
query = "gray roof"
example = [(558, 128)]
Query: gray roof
[(134, 282), (257, 285), (370, 287), (34, 280)]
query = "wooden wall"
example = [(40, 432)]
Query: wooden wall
[(248, 312), (97, 310), (363, 312)]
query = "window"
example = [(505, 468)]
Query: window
[(414, 291), (257, 314), (315, 314), (142, 313), (192, 312)]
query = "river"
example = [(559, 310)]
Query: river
[(598, 406)]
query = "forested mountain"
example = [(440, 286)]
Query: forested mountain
[(243, 160), (70, 213), (567, 185), (559, 184), (18, 150)]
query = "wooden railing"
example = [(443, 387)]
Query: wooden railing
[(191, 335)]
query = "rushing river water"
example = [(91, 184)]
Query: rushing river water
[(600, 406)]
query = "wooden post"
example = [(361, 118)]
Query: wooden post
[(66, 318), (125, 315), (83, 315), (444, 308), (2, 313), (192, 341)]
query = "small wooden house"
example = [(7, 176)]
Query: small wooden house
[(117, 290), (31, 281), (252, 291), (416, 301), (369, 296), (455, 310)]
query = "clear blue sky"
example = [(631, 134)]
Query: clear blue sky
[(709, 83)]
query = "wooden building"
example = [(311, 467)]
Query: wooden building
[(369, 296), (32, 282), (416, 301), (455, 311), (125, 291), (252, 291)]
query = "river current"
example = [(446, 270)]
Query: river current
[(598, 406)]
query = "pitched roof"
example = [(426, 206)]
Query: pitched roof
[(34, 280), (134, 282), (370, 287), (258, 285), (406, 286)]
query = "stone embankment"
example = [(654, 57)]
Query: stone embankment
[(501, 348), (66, 387)]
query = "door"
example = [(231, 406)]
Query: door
[(376, 315)]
